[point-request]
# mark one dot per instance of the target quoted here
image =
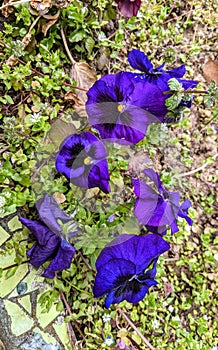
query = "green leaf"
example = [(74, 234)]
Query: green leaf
[(89, 44), (11, 272), (76, 36), (175, 85)]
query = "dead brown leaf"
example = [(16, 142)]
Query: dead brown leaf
[(210, 71), (2, 347), (48, 25), (63, 3), (42, 6), (84, 76), (78, 104), (12, 61), (26, 40), (71, 96), (7, 10), (57, 14), (59, 197), (60, 130)]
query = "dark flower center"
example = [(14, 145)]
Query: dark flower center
[(76, 149), (119, 94), (109, 126), (127, 283), (165, 195), (76, 154)]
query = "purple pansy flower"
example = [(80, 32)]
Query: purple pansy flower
[(126, 268), (158, 76), (82, 159), (128, 8), (51, 244), (121, 110), (156, 207)]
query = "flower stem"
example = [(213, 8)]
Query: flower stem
[(136, 329), (186, 92), (80, 290)]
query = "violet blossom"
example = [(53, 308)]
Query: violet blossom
[(51, 243), (126, 268), (158, 76), (121, 109), (129, 8), (155, 207), (82, 159)]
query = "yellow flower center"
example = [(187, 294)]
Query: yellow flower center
[(120, 108), (87, 161)]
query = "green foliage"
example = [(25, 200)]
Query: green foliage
[(33, 97)]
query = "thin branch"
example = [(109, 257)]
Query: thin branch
[(191, 172), (42, 75), (136, 329), (71, 333), (66, 47), (14, 3), (86, 262), (38, 169), (205, 125), (33, 25), (2, 150), (186, 92), (74, 87)]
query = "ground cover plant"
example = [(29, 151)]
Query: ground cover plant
[(109, 158)]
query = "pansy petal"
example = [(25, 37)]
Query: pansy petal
[(129, 295), (138, 60), (174, 227), (77, 171), (145, 209), (40, 253), (160, 230), (97, 150), (119, 133), (144, 191), (188, 84), (124, 86), (81, 181), (61, 261), (99, 176), (140, 250), (68, 171), (104, 98), (137, 118), (149, 97), (151, 273), (129, 8), (49, 212), (183, 211), (177, 72), (165, 212), (108, 276), (40, 231), (154, 177), (103, 113)]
